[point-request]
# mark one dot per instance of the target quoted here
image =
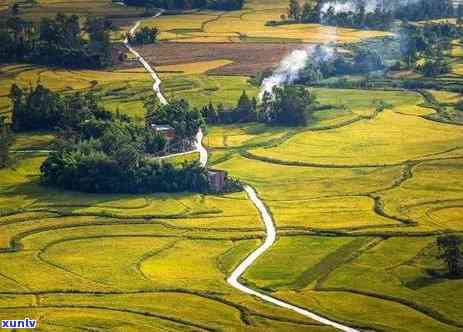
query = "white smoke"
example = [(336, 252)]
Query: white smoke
[(338, 7), (290, 68), (287, 72), (345, 6)]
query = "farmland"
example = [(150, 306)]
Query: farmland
[(358, 196)]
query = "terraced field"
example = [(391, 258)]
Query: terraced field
[(358, 198), (384, 204), (49, 8), (121, 89), (248, 25), (126, 262)]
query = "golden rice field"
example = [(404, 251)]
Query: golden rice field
[(358, 198), (200, 89), (125, 263), (49, 8), (248, 25), (382, 189), (121, 89), (355, 243)]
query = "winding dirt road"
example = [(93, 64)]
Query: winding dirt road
[(270, 228), (156, 79), (270, 238)]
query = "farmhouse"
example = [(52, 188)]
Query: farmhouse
[(167, 131), (216, 180)]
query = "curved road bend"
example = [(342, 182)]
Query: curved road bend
[(156, 79), (270, 229)]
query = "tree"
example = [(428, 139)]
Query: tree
[(294, 10), (291, 105), (450, 252), (361, 12), (368, 60), (5, 142), (145, 35), (460, 14), (308, 14), (15, 9), (177, 114), (154, 143), (244, 109), (56, 42), (435, 67)]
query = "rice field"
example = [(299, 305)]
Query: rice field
[(347, 229), (120, 89), (358, 229), (358, 198), (248, 25), (49, 8), (200, 89), (138, 253)]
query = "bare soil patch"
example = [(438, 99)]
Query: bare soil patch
[(248, 58)]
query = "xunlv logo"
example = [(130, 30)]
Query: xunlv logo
[(25, 323)]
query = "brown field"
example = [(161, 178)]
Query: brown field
[(248, 58)]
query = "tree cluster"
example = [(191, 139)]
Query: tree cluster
[(306, 14), (327, 62), (450, 251), (245, 111), (145, 35), (89, 166), (424, 10), (56, 42), (188, 4), (42, 109), (103, 152), (379, 19), (177, 114), (290, 105), (428, 42), (362, 17), (5, 142)]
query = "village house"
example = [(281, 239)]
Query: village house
[(167, 131), (216, 180)]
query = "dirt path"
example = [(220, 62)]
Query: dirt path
[(270, 229), (269, 241), (156, 79)]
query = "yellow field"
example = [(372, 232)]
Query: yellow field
[(446, 97), (190, 68), (249, 25), (49, 8), (358, 198), (132, 80), (387, 140), (139, 253), (200, 89), (386, 277)]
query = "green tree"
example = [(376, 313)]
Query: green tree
[(177, 114), (245, 109), (308, 14), (291, 105), (5, 142), (460, 14), (450, 252), (294, 10)]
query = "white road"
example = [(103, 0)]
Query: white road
[(269, 241), (156, 79), (198, 148), (270, 229)]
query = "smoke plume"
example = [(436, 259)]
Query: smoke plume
[(290, 68)]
